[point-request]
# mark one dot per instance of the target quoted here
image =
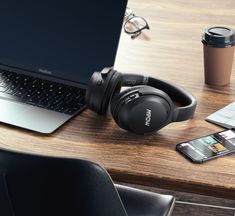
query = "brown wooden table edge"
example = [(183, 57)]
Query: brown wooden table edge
[(173, 184)]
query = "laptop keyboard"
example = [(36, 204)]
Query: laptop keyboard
[(41, 93)]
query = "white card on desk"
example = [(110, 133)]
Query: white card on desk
[(224, 117)]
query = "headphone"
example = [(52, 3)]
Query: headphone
[(144, 108)]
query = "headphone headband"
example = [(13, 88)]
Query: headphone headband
[(180, 95), (147, 107)]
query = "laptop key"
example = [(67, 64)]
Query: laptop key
[(72, 110), (2, 89), (10, 91), (34, 100), (3, 84), (60, 109), (42, 104), (19, 94), (27, 96), (51, 107)]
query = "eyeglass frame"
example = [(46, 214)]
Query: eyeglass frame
[(131, 16)]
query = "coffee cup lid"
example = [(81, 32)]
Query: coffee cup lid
[(219, 37)]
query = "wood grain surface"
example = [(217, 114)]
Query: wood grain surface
[(170, 50)]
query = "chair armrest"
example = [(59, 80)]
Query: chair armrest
[(140, 202)]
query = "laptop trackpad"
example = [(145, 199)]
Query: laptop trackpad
[(30, 117)]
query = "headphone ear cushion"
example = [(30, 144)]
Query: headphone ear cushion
[(142, 109)]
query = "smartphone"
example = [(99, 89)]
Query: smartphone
[(208, 147)]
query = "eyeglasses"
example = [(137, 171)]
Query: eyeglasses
[(134, 25)]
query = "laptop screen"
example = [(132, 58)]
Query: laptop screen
[(68, 39)]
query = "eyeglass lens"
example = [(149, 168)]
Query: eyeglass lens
[(134, 24)]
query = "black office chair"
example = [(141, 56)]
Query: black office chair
[(33, 185)]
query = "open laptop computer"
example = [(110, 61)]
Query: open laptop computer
[(48, 51)]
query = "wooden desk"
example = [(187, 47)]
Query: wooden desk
[(171, 50)]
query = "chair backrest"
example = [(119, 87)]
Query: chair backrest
[(32, 185)]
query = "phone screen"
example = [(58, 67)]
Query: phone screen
[(208, 147)]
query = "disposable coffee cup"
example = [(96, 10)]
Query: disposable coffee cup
[(218, 49)]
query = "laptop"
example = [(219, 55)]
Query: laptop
[(48, 52)]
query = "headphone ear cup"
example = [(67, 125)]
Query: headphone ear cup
[(142, 109), (102, 87)]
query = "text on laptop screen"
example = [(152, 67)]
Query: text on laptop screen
[(64, 39)]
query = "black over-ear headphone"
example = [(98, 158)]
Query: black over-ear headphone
[(144, 108)]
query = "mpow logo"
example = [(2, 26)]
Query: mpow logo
[(148, 117)]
